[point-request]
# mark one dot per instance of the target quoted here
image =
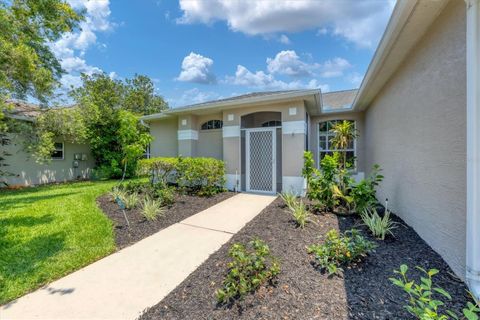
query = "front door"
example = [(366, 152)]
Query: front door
[(260, 158)]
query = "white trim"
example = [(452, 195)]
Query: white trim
[(292, 111), (297, 185), (231, 131), (473, 147), (187, 134), (292, 127), (274, 159)]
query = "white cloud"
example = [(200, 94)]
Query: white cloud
[(71, 48), (288, 63), (193, 96), (359, 22), (334, 68), (355, 79), (197, 68), (263, 81), (284, 39)]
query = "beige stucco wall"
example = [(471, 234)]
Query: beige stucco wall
[(359, 144), (165, 143), (416, 130), (210, 142), (28, 172)]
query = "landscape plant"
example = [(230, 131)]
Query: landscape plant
[(427, 301), (201, 176), (340, 249), (363, 193), (300, 213), (151, 208), (116, 193), (165, 194), (251, 266), (345, 135), (378, 226), (288, 199), (130, 200)]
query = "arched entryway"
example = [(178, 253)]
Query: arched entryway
[(261, 152)]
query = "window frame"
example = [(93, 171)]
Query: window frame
[(277, 122), (213, 121), (57, 150), (327, 134)]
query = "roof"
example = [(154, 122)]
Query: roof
[(23, 110), (338, 100), (312, 98), (409, 22)]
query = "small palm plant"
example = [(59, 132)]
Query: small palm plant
[(289, 198), (379, 226), (151, 208), (300, 213), (345, 134), (130, 200)]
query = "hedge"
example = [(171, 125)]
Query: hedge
[(204, 176)]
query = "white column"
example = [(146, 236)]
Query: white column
[(473, 146)]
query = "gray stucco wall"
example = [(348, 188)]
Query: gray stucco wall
[(165, 143), (28, 172), (416, 130)]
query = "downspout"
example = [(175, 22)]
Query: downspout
[(473, 146)]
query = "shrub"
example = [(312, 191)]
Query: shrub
[(422, 298), (130, 200), (338, 250), (251, 266), (203, 176), (151, 208), (136, 186), (379, 226), (288, 199), (159, 169), (363, 193), (166, 195), (300, 213)]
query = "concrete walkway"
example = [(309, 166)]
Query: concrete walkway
[(125, 283)]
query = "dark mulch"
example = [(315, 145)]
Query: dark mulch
[(184, 207), (302, 292)]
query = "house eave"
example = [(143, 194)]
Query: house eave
[(311, 97), (409, 22)]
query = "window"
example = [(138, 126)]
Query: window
[(272, 123), (57, 153), (212, 124), (325, 136)]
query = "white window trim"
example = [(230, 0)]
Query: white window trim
[(63, 152), (319, 150)]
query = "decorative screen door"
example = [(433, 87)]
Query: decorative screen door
[(260, 160)]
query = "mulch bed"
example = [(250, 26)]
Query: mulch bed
[(301, 291), (184, 207)]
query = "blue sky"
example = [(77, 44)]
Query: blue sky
[(198, 50)]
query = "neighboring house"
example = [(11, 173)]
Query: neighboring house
[(69, 161), (417, 113)]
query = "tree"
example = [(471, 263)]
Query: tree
[(141, 98), (27, 65)]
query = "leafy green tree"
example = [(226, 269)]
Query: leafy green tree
[(27, 65), (141, 98)]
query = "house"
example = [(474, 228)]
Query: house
[(417, 112), (69, 161)]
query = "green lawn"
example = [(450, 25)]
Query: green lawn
[(49, 231)]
